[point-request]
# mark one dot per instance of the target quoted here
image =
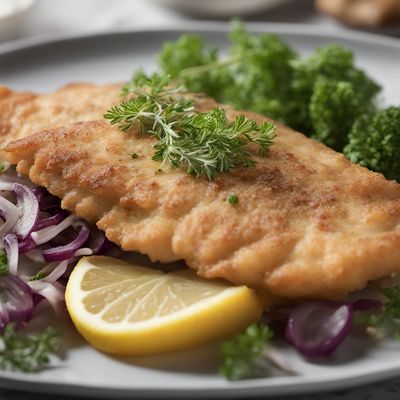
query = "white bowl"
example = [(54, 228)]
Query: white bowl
[(12, 13), (221, 8)]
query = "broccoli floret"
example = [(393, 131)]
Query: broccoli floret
[(374, 142), (329, 94)]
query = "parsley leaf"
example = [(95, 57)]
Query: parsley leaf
[(374, 142), (3, 263), (27, 353), (38, 276), (385, 322), (202, 144), (249, 355), (321, 95)]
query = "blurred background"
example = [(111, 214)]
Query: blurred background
[(30, 18)]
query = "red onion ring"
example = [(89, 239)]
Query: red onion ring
[(29, 210), (10, 212), (46, 234), (53, 292), (16, 302), (11, 247), (316, 329), (67, 251), (53, 220)]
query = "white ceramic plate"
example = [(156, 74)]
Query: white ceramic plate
[(44, 66), (12, 14)]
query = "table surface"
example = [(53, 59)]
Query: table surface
[(56, 17)]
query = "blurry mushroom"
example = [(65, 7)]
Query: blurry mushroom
[(363, 13)]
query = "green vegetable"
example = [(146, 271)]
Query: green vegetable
[(38, 276), (188, 53), (250, 355), (202, 144), (385, 322), (255, 76), (244, 354), (27, 353), (1, 166), (261, 76), (321, 95), (333, 108), (233, 198), (329, 94), (374, 142), (3, 263)]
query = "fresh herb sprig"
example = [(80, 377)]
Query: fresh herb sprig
[(27, 353), (250, 355), (386, 321), (3, 263), (321, 95), (202, 144)]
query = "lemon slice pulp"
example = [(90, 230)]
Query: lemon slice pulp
[(126, 309)]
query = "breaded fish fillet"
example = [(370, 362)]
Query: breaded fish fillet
[(308, 222)]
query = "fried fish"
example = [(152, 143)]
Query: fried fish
[(308, 224)]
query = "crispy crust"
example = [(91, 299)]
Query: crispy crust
[(308, 223)]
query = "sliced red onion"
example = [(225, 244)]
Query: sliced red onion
[(29, 210), (11, 247), (46, 200), (46, 234), (100, 244), (11, 214), (84, 251), (366, 305), (67, 251), (26, 245), (16, 302), (6, 185), (57, 272), (53, 292), (53, 220), (35, 255), (316, 329)]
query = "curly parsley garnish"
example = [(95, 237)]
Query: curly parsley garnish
[(3, 263), (202, 144), (27, 353), (385, 322), (38, 276), (250, 355)]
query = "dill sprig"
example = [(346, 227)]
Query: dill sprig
[(27, 353), (202, 144)]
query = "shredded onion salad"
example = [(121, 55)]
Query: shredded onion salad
[(39, 244)]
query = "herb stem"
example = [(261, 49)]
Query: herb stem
[(201, 69)]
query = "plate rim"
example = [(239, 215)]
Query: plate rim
[(235, 389), (204, 27)]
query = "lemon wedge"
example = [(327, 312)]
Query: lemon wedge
[(125, 309)]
